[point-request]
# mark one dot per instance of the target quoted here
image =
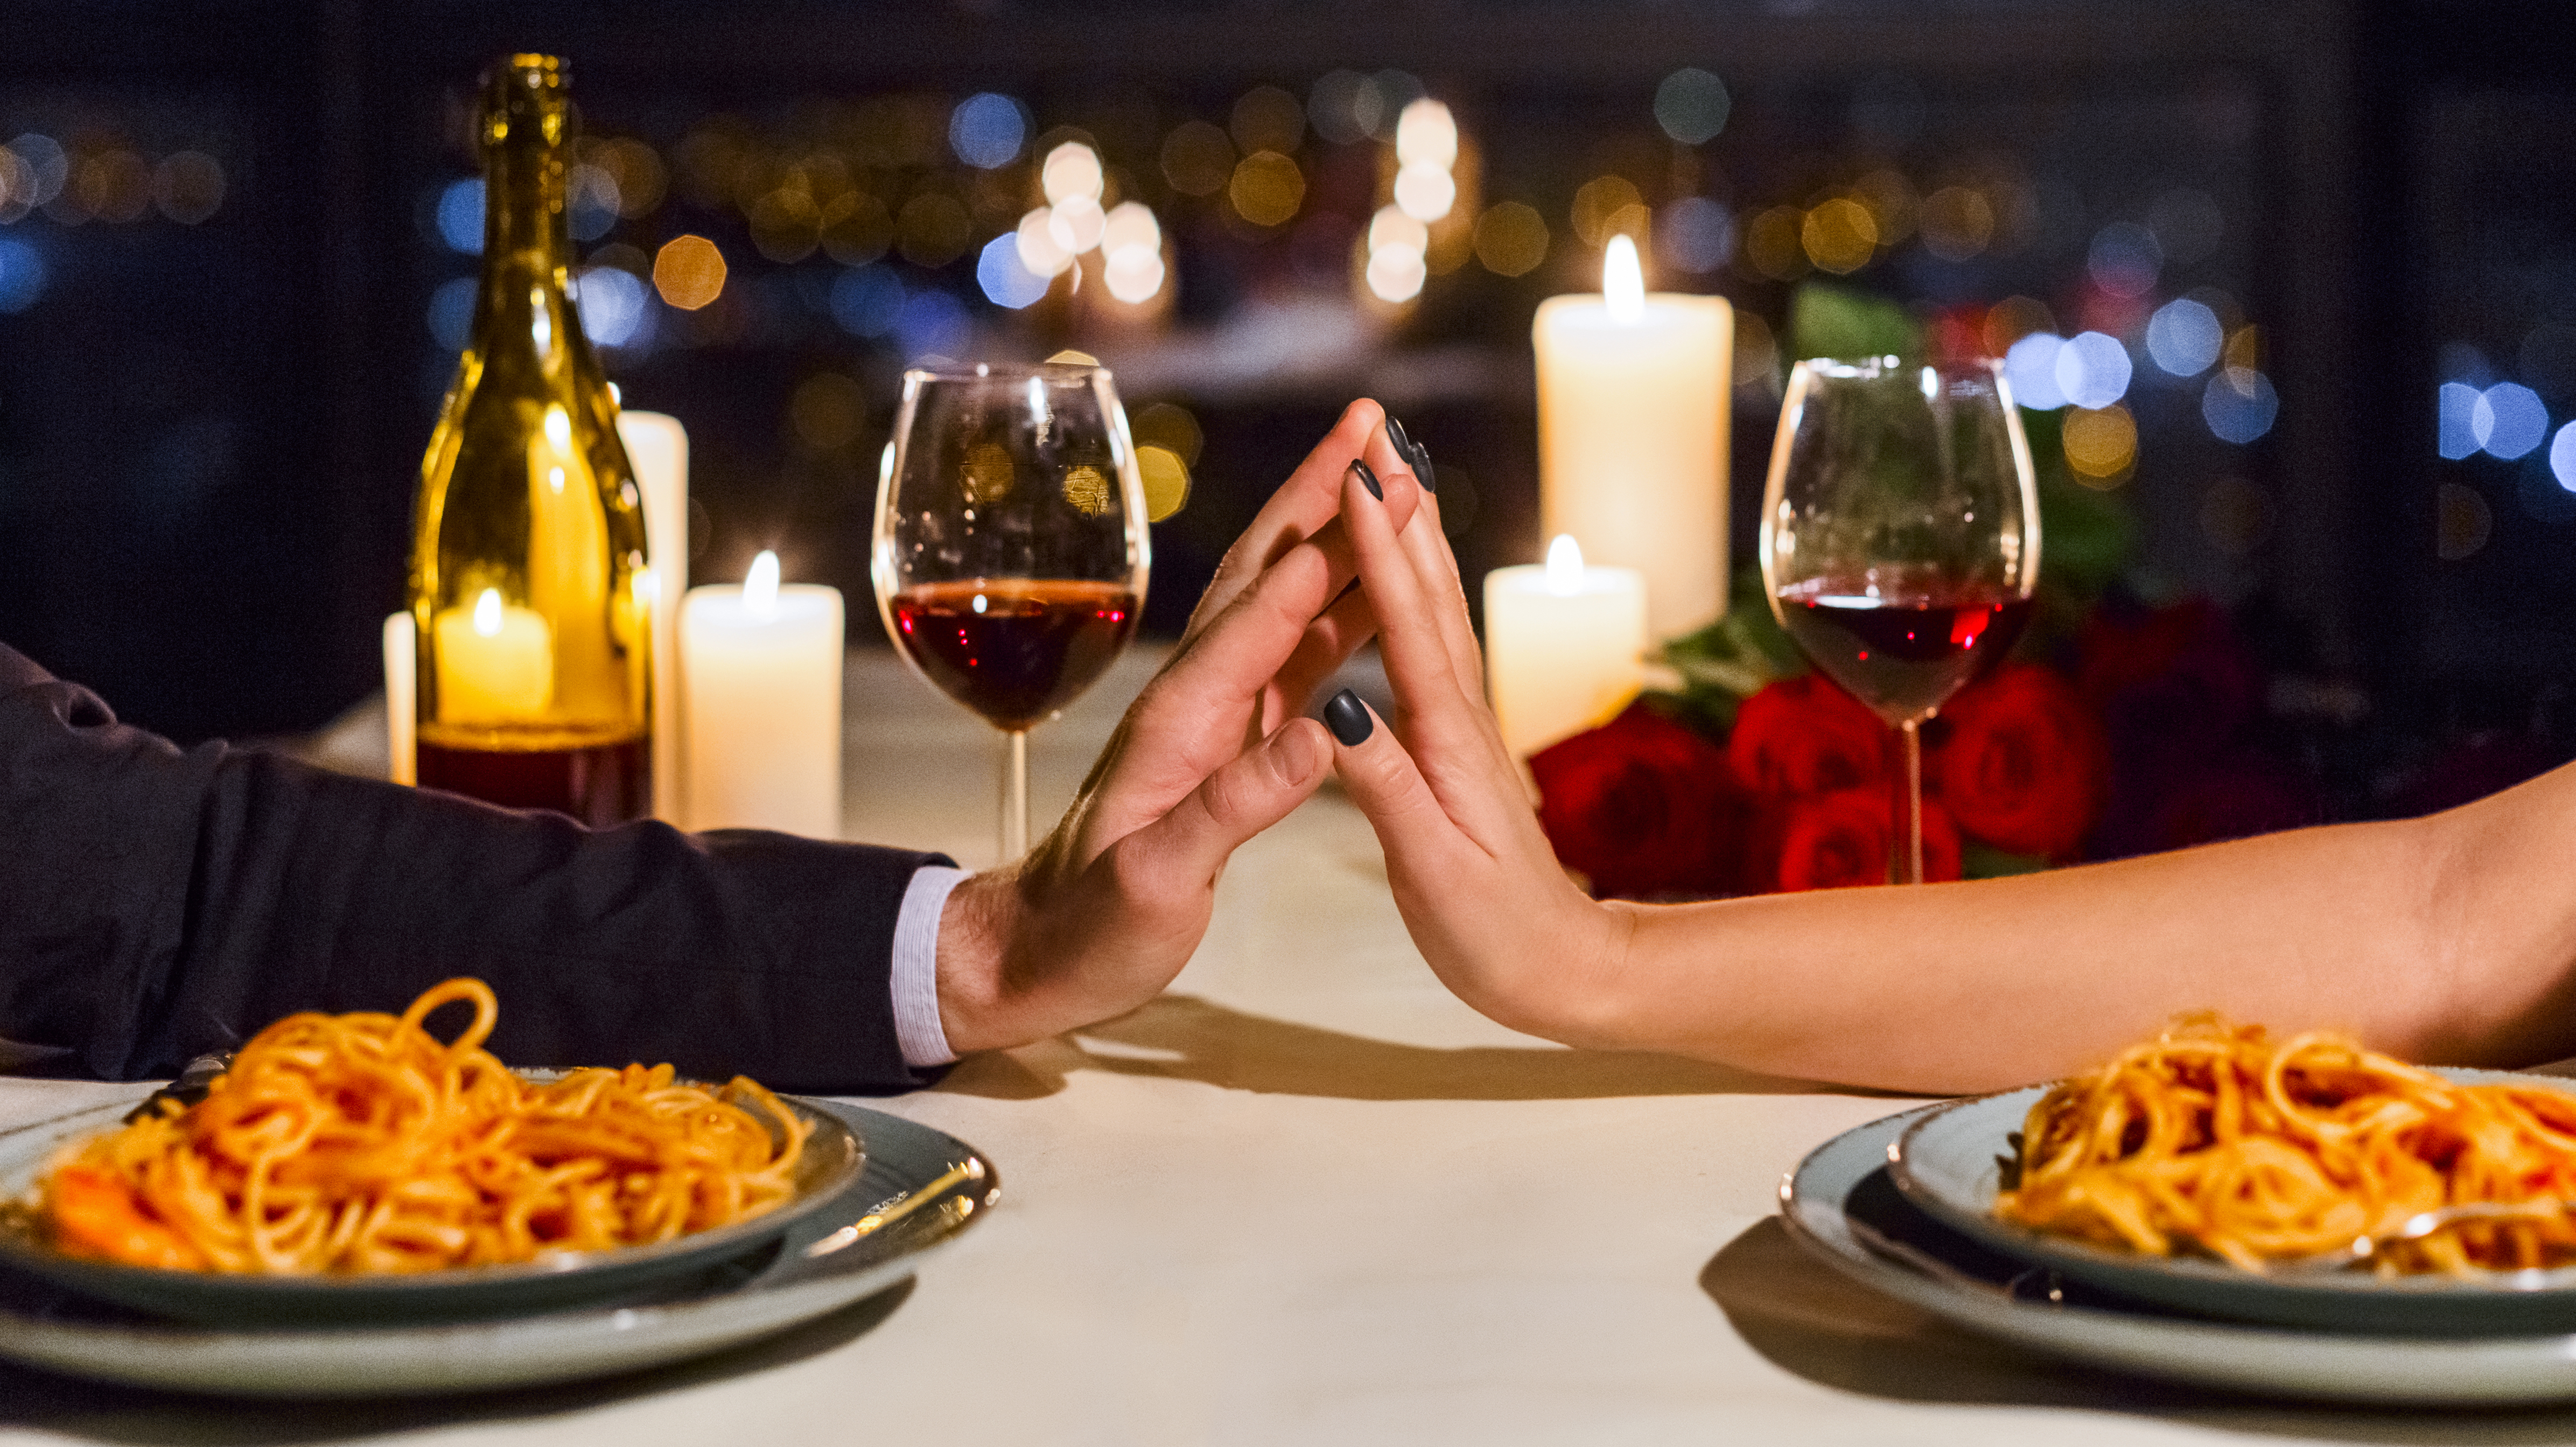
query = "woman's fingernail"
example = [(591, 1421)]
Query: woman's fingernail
[(1415, 455), (1368, 479), (1348, 718)]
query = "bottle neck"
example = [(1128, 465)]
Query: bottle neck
[(526, 232)]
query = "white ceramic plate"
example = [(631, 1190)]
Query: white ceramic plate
[(827, 1166), (1949, 1163), (919, 1190), (1840, 1205)]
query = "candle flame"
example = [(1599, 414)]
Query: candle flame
[(1564, 565), (1623, 282), (760, 585), (487, 613)]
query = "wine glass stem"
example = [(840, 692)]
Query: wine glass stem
[(1905, 841), (1015, 794)]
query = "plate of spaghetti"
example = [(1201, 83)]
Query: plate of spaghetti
[(2222, 1170), (357, 1167)]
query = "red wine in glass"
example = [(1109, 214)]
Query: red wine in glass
[(1014, 650), (1903, 653)]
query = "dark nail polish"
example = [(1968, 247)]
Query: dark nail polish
[(1368, 479), (1348, 718), (1415, 455)]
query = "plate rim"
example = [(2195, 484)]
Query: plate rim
[(2123, 1270), (2245, 1356), (351, 1361), (272, 1296)]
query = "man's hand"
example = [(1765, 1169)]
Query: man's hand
[(1101, 916)]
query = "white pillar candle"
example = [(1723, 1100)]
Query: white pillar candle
[(496, 661), (1632, 418), (402, 722), (761, 706), (657, 446), (1564, 646)]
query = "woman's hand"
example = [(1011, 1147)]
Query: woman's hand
[(1104, 913), (1479, 888)]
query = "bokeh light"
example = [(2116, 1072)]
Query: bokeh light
[(1839, 236), (1696, 234), (1511, 238), (933, 324), (1166, 478), (864, 232), (2012, 319), (1074, 224), (2184, 337), (1889, 198), (1396, 273), (1198, 158), (451, 313), (2239, 405), (613, 306), (2457, 409), (1170, 427), (22, 275), (2462, 521), (828, 410), (1007, 281), (1391, 227), (1072, 169), (1772, 246), (1691, 105), (1040, 251), (2030, 369), (1426, 135), (1957, 222), (43, 166), (590, 202), (1425, 192), (2562, 457), (638, 171), (987, 130), (1133, 274), (1266, 118), (2509, 420), (2124, 259), (866, 300), (1343, 107), (113, 185), (933, 229), (460, 216), (689, 271), (1757, 352), (1600, 204), (2093, 370), (2101, 445), (188, 186), (1267, 188)]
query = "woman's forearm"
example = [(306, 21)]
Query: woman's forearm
[(2446, 938)]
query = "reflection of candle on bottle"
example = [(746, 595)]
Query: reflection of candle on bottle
[(495, 662), (658, 448), (761, 713), (1564, 646), (1632, 414)]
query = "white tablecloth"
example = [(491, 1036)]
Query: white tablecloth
[(1306, 1197)]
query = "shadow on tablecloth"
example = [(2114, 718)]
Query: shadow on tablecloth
[(96, 1411), (1181, 1037), (1813, 1321)]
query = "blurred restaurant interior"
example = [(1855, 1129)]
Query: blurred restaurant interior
[(2325, 242)]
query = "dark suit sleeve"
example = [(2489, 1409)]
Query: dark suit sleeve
[(157, 903)]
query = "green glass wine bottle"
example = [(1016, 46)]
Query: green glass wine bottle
[(530, 594)]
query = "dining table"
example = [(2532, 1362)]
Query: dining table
[(1303, 1196)]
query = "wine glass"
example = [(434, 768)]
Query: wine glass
[(1010, 552), (1900, 542)]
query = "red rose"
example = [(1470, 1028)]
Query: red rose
[(1641, 807), (2022, 765), (1802, 736), (1839, 839)]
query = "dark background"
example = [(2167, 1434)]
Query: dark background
[(210, 428)]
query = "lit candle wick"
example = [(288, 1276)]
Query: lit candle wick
[(487, 613), (760, 585), (1564, 566), (1623, 282)]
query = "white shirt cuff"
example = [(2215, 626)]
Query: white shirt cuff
[(915, 978)]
